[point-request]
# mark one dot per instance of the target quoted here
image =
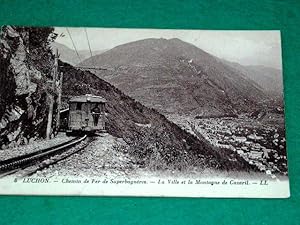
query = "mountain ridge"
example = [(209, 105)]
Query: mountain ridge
[(70, 56), (269, 78), (177, 77)]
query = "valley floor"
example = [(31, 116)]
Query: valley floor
[(260, 142)]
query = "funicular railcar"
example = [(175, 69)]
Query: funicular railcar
[(86, 114)]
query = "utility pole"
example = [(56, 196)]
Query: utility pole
[(51, 97), (59, 100)]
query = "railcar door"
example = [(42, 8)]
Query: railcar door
[(97, 117), (75, 118)]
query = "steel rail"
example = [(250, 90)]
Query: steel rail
[(19, 161)]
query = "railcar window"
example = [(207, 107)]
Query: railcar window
[(78, 106)]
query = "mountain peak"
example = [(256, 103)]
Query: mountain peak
[(174, 76), (176, 40)]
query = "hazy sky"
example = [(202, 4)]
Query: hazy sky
[(244, 47)]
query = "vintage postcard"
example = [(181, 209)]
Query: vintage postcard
[(142, 112)]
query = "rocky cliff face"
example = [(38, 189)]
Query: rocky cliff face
[(23, 84)]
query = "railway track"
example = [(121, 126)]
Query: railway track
[(42, 158)]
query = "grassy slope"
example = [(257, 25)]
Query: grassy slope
[(163, 142)]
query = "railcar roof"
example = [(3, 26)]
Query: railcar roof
[(88, 98)]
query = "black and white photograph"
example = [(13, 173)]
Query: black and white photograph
[(142, 112)]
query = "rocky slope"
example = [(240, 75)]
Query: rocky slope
[(153, 139), (176, 77), (25, 67)]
